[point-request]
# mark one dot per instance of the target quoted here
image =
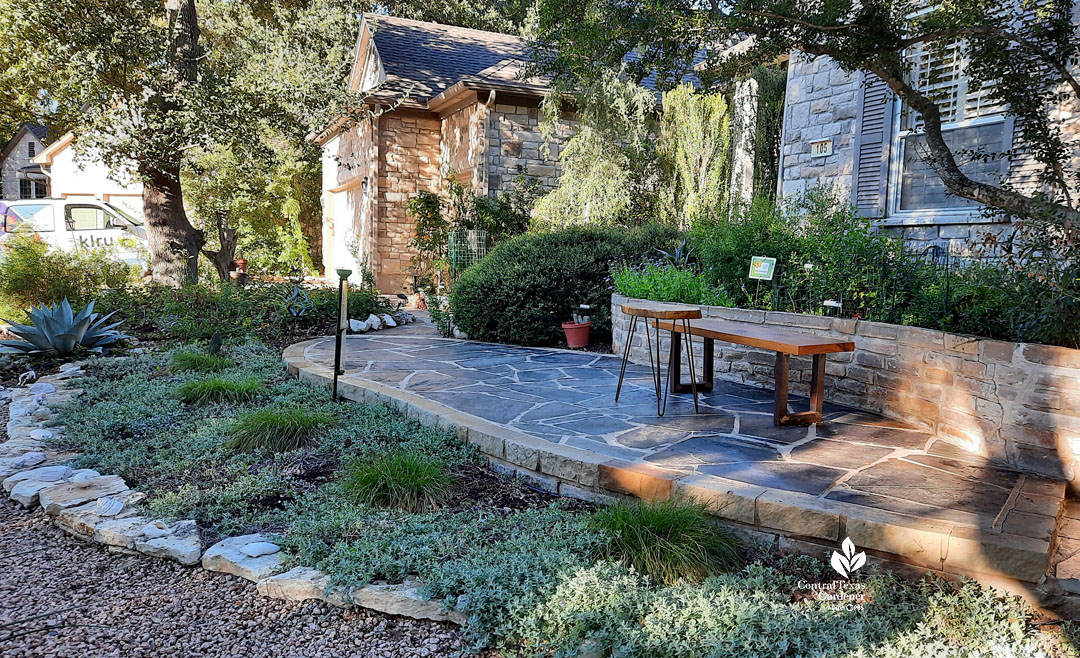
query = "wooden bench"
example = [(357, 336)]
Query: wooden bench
[(784, 342)]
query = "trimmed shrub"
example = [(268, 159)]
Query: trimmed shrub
[(185, 361), (276, 429), (529, 285), (219, 389), (408, 481), (669, 541)]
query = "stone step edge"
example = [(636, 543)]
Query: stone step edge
[(943, 547), (396, 599)]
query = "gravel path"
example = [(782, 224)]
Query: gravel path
[(134, 606)]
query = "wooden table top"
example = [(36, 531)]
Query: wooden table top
[(661, 311), (770, 338)]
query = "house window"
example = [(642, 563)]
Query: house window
[(974, 126), (29, 189), (31, 149)]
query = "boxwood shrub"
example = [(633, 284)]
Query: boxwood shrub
[(527, 286)]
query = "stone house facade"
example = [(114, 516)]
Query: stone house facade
[(21, 178), (444, 101), (848, 131)]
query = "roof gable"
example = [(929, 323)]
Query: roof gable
[(38, 132), (422, 59)]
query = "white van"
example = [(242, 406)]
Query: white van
[(69, 224)]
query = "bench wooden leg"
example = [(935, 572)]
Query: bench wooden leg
[(780, 388), (817, 393), (817, 386), (705, 385)]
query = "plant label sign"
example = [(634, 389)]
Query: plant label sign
[(821, 148), (762, 268)]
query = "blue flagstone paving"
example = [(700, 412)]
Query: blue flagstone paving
[(569, 398)]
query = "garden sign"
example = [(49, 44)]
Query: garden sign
[(762, 267)]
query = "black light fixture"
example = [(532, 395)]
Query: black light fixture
[(342, 323)]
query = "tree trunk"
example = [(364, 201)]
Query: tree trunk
[(227, 238), (174, 242)]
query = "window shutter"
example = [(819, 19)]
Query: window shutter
[(872, 140)]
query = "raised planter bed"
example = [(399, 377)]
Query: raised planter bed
[(1015, 403)]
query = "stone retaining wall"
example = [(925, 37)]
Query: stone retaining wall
[(1016, 403)]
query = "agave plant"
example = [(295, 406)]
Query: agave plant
[(56, 328), (682, 256)]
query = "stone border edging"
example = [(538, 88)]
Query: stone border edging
[(795, 522), (100, 508)]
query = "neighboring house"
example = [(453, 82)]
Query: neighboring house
[(22, 178), (448, 102), (76, 178), (848, 130)]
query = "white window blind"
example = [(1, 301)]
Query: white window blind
[(939, 73)]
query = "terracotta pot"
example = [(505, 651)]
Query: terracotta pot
[(577, 333), (241, 264)]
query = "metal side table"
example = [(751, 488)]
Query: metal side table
[(656, 311)]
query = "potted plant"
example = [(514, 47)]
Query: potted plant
[(577, 330)]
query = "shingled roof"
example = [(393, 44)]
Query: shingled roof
[(425, 59)]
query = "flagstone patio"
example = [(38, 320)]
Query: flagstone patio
[(854, 460)]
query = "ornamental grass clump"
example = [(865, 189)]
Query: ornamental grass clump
[(187, 361), (276, 429), (409, 481), (220, 389), (670, 541)]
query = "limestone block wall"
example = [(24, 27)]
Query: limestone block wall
[(514, 139), (409, 145), (822, 102), (1015, 403)]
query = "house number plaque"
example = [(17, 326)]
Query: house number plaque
[(821, 148)]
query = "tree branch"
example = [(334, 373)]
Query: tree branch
[(849, 27)]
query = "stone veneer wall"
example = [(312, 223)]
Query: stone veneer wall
[(821, 102), (464, 147), (409, 146), (1016, 403), (515, 139)]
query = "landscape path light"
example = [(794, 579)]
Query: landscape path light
[(342, 323)]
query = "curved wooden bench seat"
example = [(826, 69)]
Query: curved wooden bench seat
[(782, 341)]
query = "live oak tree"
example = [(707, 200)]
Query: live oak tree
[(1028, 49)]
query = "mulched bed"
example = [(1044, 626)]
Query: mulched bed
[(479, 486)]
